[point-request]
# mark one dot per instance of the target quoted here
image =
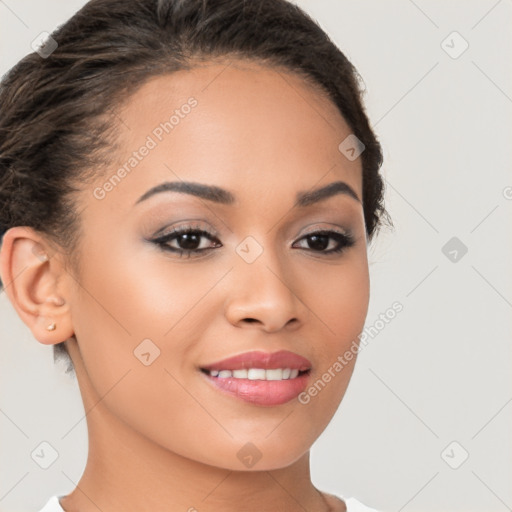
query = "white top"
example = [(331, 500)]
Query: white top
[(353, 505)]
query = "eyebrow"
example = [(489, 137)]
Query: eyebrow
[(222, 196)]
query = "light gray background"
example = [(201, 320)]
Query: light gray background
[(441, 370)]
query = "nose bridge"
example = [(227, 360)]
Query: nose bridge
[(262, 285)]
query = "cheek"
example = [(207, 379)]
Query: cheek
[(340, 301), (118, 305), (112, 319), (126, 307), (133, 294), (339, 297)]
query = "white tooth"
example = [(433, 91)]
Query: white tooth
[(274, 374), (256, 374)]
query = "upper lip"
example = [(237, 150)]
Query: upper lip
[(259, 359)]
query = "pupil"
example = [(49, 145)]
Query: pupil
[(319, 242), (191, 241)]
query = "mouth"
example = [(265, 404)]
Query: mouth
[(260, 378), (259, 386)]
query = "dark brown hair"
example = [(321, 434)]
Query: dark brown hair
[(57, 112)]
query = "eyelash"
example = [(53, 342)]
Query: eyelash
[(345, 241)]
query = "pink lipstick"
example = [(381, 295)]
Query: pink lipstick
[(261, 378)]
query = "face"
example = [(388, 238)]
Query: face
[(155, 306)]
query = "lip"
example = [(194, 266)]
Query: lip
[(261, 392), (259, 359)]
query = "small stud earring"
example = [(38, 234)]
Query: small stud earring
[(52, 327)]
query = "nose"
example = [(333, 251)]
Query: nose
[(261, 295)]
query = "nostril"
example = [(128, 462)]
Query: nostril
[(250, 320)]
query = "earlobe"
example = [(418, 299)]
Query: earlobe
[(29, 270)]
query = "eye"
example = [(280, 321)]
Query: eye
[(318, 241), (187, 239)]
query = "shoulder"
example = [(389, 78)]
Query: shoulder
[(339, 504), (52, 505), (354, 505)]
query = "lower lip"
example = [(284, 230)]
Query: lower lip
[(261, 392)]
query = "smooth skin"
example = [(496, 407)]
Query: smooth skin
[(161, 437)]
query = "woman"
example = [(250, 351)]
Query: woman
[(188, 189)]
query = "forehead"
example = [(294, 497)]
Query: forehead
[(233, 123), (243, 93)]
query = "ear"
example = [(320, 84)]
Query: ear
[(35, 280)]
